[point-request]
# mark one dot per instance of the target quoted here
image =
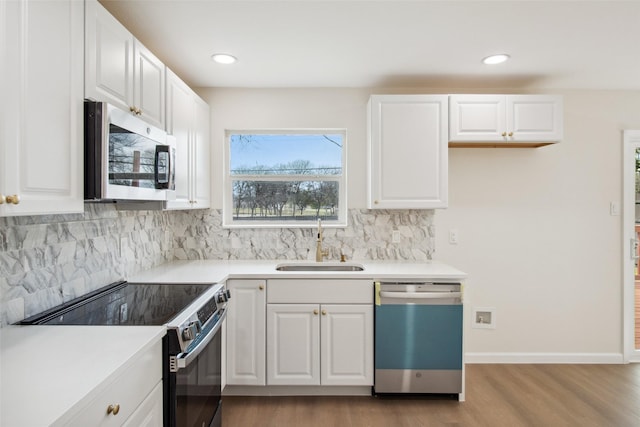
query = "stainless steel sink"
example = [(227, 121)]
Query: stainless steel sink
[(320, 266)]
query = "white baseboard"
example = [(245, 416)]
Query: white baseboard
[(570, 358)]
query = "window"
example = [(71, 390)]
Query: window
[(285, 178)]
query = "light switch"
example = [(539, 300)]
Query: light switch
[(614, 208)]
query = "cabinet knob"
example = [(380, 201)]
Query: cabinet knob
[(324, 312), (132, 109), (315, 311), (2, 199), (261, 287), (504, 134), (510, 133), (12, 200), (138, 112), (113, 409), (375, 202)]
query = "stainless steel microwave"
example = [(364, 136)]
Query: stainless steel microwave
[(125, 158)]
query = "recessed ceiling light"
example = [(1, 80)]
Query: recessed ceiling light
[(495, 59), (223, 58)]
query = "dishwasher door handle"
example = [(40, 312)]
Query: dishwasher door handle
[(420, 295)]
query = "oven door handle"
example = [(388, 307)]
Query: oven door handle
[(186, 358)]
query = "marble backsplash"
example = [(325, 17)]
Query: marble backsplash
[(368, 236), (48, 260)]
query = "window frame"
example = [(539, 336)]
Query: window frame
[(227, 205)]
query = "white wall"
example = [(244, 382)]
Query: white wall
[(535, 233), (538, 240), (291, 109)]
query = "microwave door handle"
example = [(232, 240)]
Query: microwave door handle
[(161, 151), (186, 358), (155, 167)]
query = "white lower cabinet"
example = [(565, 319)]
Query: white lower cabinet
[(150, 412), (293, 344), (246, 329), (299, 332), (346, 344), (133, 398), (317, 344), (320, 332)]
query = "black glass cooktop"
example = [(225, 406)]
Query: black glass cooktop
[(123, 304)]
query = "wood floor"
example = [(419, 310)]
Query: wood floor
[(496, 395)]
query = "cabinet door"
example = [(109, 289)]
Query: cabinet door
[(477, 118), (149, 86), (41, 139), (505, 120), (201, 180), (407, 152), (534, 117), (293, 344), (246, 329), (109, 58), (150, 411), (180, 108), (346, 345)]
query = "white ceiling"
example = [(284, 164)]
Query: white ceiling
[(391, 43)]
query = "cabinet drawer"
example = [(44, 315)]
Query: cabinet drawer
[(128, 389), (150, 412), (320, 291)]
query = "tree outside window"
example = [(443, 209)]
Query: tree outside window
[(285, 178)]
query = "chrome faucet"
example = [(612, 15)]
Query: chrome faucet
[(320, 253)]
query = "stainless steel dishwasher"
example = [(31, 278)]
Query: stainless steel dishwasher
[(418, 337)]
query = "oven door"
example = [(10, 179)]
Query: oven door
[(196, 388)]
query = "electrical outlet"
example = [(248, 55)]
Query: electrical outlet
[(453, 236), (124, 313), (123, 243)]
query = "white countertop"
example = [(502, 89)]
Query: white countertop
[(212, 271), (49, 373)]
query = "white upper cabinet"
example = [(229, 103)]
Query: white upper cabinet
[(119, 69), (148, 85), (407, 152), (505, 120), (41, 139), (188, 121), (201, 186)]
